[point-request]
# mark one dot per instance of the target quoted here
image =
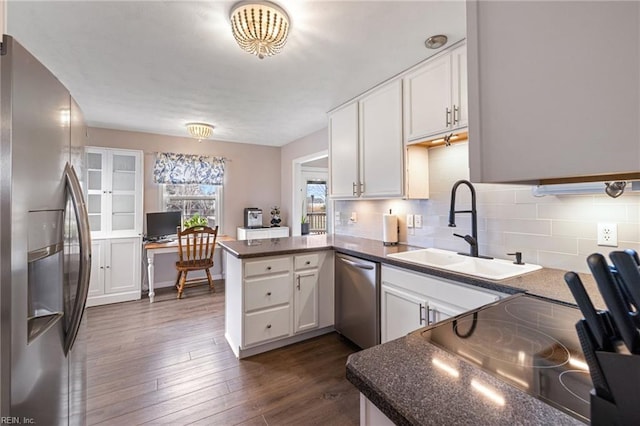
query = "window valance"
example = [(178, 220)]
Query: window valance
[(188, 169)]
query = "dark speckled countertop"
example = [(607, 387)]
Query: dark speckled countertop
[(398, 376), (546, 282)]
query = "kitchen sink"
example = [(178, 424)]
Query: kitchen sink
[(493, 269), (430, 257)]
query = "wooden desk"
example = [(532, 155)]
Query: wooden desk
[(158, 248)]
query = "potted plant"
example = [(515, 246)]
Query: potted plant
[(195, 221), (304, 221)]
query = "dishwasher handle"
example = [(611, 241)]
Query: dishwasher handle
[(357, 265)]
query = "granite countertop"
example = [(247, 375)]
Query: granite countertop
[(546, 282), (398, 376), (400, 379)]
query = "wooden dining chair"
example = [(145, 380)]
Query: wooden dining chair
[(195, 249)]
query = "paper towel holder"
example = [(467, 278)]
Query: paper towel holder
[(390, 229)]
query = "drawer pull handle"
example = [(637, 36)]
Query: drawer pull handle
[(308, 262), (268, 293), (268, 268), (268, 325)]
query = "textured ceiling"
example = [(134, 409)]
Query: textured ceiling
[(152, 66)]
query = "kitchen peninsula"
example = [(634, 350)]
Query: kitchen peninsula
[(546, 282), (398, 376)]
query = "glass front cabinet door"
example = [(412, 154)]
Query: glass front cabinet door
[(114, 192)]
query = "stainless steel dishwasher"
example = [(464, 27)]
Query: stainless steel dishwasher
[(357, 300)]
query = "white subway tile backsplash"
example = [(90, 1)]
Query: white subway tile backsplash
[(553, 231), (523, 226), (633, 213), (568, 262), (570, 228), (583, 210), (507, 211), (558, 244)]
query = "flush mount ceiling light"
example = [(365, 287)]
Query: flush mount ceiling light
[(436, 41), (200, 130), (259, 27)]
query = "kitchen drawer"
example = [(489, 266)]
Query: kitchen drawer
[(267, 266), (266, 325), (268, 291), (306, 261)]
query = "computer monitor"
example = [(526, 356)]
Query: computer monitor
[(163, 224)]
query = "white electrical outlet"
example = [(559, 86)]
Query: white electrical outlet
[(409, 221), (608, 234), (354, 217), (417, 220), (337, 219)]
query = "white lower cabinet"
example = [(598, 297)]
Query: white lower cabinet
[(115, 271), (370, 415), (401, 312), (411, 300), (277, 300), (305, 299)]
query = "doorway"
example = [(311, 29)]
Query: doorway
[(309, 199), (315, 199)]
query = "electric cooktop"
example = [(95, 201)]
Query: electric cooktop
[(528, 342)]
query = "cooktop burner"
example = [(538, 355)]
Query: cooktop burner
[(528, 342)]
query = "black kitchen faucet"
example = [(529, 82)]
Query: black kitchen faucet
[(473, 238)]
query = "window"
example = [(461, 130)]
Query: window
[(206, 200), (191, 184)]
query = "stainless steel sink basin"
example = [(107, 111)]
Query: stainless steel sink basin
[(493, 269)]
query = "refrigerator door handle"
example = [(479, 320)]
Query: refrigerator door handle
[(74, 191)]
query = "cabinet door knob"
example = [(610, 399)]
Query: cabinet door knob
[(268, 293), (268, 325), (268, 268), (108, 267), (308, 262)]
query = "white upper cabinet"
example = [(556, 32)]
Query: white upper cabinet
[(343, 152), (553, 90), (381, 152), (114, 192), (435, 96), (366, 146)]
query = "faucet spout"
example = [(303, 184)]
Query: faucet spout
[(473, 238)]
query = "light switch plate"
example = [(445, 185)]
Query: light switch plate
[(417, 220), (409, 221)]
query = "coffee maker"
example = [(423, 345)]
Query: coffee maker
[(252, 217)]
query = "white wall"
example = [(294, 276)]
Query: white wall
[(554, 231), (252, 172), (252, 179), (310, 144)]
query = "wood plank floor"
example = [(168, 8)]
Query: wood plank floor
[(168, 363)]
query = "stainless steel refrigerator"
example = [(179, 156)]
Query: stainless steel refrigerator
[(45, 246)]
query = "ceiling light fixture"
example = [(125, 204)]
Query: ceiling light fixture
[(260, 27), (436, 41), (200, 130)]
